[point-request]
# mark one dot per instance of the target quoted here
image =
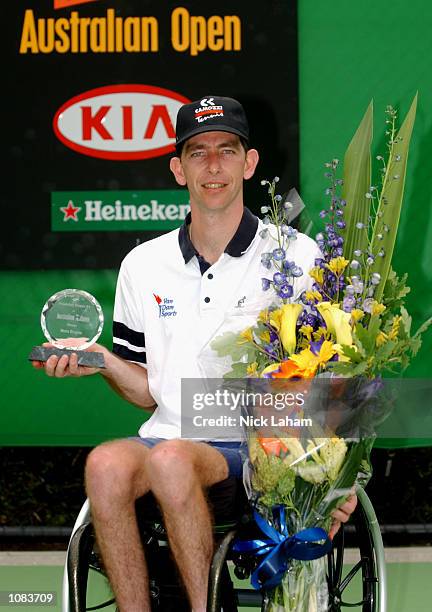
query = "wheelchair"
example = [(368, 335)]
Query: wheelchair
[(232, 521)]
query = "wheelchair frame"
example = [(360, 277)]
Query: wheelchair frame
[(221, 594)]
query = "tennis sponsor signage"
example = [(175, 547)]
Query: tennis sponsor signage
[(110, 32), (96, 88), (81, 211), (120, 122)]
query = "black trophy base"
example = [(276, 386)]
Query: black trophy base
[(89, 359)]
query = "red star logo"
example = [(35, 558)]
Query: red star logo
[(70, 211)]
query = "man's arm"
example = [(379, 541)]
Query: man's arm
[(128, 379)]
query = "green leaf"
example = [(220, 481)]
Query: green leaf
[(239, 370), (360, 368), (384, 351), (353, 355), (356, 183), (423, 327), (227, 344), (366, 338), (390, 204), (405, 324)]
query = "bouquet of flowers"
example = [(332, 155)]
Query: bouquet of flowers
[(343, 332)]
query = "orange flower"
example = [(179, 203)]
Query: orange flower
[(272, 446), (289, 369)]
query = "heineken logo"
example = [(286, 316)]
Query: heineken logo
[(120, 122), (118, 210)]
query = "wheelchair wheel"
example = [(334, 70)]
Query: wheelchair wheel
[(166, 591), (370, 568)]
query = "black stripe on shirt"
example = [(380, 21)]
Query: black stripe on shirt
[(120, 330), (125, 353)]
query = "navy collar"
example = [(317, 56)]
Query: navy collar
[(239, 243)]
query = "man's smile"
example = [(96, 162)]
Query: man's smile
[(214, 185)]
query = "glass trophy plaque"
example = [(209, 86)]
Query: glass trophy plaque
[(72, 320)]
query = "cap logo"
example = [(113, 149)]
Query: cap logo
[(208, 110)]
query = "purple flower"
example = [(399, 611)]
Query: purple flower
[(291, 233), (340, 224), (279, 279), (288, 266), (311, 320), (297, 271), (285, 291), (323, 214), (368, 305), (316, 346), (278, 254), (348, 303), (265, 284)]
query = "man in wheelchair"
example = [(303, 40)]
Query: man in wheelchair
[(172, 295)]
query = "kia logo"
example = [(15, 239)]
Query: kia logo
[(120, 122)]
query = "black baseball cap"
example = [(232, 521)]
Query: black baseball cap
[(210, 114)]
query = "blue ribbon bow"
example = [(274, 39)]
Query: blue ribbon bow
[(306, 545)]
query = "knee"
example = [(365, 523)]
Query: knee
[(109, 472), (171, 471)]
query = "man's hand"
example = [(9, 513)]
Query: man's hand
[(342, 514), (67, 365)]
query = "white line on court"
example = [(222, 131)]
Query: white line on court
[(411, 554)]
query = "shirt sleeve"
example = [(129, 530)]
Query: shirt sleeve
[(128, 329)]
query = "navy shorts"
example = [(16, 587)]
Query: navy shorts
[(234, 452)]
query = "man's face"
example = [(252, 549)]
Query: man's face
[(213, 165)]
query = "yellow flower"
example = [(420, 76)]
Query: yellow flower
[(337, 321), (306, 330), (393, 334), (252, 369), (341, 322), (245, 336), (337, 265), (308, 362), (265, 336), (377, 308), (290, 314), (381, 339), (356, 315), (313, 296), (325, 309), (320, 333), (275, 318), (326, 352), (263, 316), (317, 274)]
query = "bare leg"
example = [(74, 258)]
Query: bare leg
[(115, 478), (178, 471)]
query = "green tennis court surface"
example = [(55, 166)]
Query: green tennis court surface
[(409, 581)]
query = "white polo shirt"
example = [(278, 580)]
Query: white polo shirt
[(170, 304)]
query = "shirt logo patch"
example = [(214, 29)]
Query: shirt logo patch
[(166, 306), (241, 302)]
